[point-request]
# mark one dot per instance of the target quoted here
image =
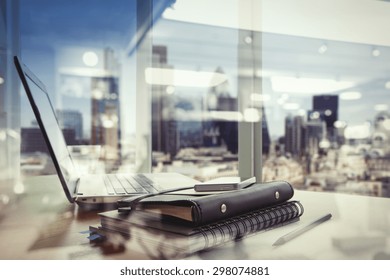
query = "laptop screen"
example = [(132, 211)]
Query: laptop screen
[(48, 123)]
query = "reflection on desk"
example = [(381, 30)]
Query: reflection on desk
[(41, 224)]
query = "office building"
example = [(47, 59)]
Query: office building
[(165, 134), (315, 132), (32, 140), (294, 135), (266, 138), (105, 106), (221, 132), (71, 119), (327, 108)]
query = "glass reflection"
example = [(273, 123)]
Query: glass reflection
[(322, 103)]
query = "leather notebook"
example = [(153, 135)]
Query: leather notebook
[(200, 210)]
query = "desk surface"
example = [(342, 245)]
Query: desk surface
[(46, 226)]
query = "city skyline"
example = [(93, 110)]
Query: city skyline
[(317, 68), (288, 74)]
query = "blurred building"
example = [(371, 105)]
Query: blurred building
[(165, 134), (217, 132), (73, 120), (282, 168), (33, 141), (105, 125), (294, 135), (222, 132), (10, 110), (381, 136), (327, 108), (315, 133), (302, 136)]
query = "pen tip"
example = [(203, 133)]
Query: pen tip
[(278, 242)]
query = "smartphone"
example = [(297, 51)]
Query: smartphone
[(224, 184)]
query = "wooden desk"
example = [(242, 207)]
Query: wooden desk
[(41, 224)]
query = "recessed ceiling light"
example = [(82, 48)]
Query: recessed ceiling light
[(307, 85), (170, 90), (350, 95), (387, 85), (381, 107), (376, 52), (1, 80), (185, 78), (260, 97), (291, 106), (322, 49), (248, 40), (90, 59), (252, 115)]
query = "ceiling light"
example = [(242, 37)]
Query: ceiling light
[(323, 49), (185, 78), (291, 106), (90, 59), (387, 85), (170, 90), (307, 85), (1, 80), (376, 52), (232, 116), (381, 107), (248, 40), (252, 115), (260, 97), (350, 95)]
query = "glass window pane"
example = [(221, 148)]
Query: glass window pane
[(325, 90), (170, 86)]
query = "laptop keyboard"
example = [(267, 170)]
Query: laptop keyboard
[(122, 184)]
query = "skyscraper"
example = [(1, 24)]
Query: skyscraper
[(71, 119), (327, 107), (105, 124), (106, 116), (165, 134), (294, 135)]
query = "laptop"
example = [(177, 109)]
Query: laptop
[(91, 190)]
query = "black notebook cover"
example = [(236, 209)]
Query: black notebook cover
[(211, 208)]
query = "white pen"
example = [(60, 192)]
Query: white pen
[(299, 231)]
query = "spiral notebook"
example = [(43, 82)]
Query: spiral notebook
[(173, 239)]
